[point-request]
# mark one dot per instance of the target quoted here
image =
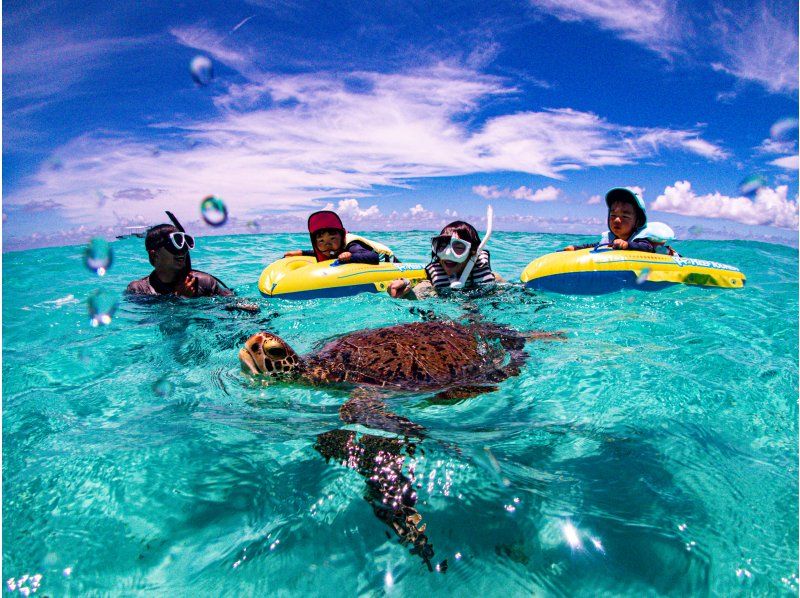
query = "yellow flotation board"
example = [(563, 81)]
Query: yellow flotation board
[(596, 271), (302, 277)]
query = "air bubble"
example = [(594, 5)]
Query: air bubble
[(695, 230), (163, 387), (214, 211), (202, 70), (751, 184), (102, 305), (98, 256)]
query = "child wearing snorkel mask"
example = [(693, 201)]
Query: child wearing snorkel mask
[(627, 222), (451, 251), (331, 241)]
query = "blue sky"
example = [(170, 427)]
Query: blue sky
[(399, 115)]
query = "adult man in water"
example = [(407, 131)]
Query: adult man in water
[(168, 248)]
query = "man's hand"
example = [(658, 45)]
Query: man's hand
[(189, 286)]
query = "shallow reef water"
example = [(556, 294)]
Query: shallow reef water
[(654, 451)]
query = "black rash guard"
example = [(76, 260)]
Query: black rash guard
[(207, 285)]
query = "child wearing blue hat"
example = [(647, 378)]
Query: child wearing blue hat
[(627, 221)]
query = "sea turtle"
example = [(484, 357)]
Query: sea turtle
[(451, 359)]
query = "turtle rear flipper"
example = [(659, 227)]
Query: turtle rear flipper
[(366, 409)]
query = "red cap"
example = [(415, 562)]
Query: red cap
[(324, 220)]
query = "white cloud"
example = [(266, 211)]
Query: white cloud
[(349, 208), (755, 43), (652, 23), (54, 62), (418, 212), (549, 193), (334, 143), (595, 199), (787, 162), (770, 207), (759, 44)]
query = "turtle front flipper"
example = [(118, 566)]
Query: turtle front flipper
[(390, 493), (365, 408)]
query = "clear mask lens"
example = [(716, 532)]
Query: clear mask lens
[(181, 240), (450, 249)]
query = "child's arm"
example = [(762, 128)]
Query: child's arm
[(641, 245), (577, 247), (296, 252), (359, 254)]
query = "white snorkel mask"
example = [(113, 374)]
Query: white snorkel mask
[(450, 248), (459, 284)]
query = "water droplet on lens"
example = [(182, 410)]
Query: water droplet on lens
[(163, 387), (642, 278), (214, 211), (784, 129), (751, 184), (98, 256), (102, 305), (202, 70)]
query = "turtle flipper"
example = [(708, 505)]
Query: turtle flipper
[(366, 409), (390, 493), (459, 393)]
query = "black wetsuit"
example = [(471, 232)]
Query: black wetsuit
[(207, 285)]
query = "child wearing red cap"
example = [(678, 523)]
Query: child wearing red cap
[(330, 240)]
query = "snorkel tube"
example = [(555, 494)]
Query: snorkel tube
[(459, 284), (175, 221)]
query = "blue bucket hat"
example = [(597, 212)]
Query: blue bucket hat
[(625, 195)]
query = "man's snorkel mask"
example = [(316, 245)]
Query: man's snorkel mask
[(180, 243), (324, 220)]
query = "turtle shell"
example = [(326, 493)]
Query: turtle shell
[(418, 356)]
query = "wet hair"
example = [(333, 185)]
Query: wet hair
[(158, 235)]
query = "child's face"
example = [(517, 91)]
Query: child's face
[(329, 243), (453, 268), (622, 219)]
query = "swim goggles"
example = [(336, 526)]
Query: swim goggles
[(450, 248), (179, 242)]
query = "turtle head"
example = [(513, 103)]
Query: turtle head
[(265, 353)]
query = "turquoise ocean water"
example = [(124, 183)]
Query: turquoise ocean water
[(654, 452)]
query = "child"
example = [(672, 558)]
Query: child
[(627, 220), (331, 241), (450, 252)]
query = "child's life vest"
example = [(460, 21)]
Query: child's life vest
[(481, 274)]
